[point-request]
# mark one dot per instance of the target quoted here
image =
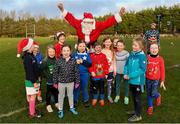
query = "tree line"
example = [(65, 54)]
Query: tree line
[(13, 24)]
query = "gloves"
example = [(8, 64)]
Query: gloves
[(76, 85), (55, 86)]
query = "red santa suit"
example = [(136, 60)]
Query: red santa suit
[(90, 32)]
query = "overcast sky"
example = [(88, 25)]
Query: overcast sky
[(77, 7)]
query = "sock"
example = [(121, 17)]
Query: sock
[(32, 107), (150, 101)]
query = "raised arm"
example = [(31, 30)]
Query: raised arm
[(113, 19), (69, 16)]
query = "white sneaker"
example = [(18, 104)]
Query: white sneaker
[(126, 100), (57, 105), (116, 99), (49, 108)]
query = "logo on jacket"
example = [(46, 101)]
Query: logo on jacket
[(99, 69)]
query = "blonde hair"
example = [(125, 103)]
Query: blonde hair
[(140, 42), (49, 47)]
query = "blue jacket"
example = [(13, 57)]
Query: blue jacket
[(135, 68), (39, 58), (83, 68)]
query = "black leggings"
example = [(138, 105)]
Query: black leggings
[(51, 91), (136, 95), (98, 86)]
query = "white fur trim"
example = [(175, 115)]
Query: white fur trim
[(118, 17), (87, 39), (28, 46), (36, 46), (88, 20), (64, 13)]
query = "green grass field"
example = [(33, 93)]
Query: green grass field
[(12, 90)]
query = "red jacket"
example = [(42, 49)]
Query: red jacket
[(100, 26), (155, 68), (99, 65), (58, 47)]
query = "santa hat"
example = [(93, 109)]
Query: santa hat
[(24, 44), (88, 17), (36, 45), (58, 34)]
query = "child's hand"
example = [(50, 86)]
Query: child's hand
[(114, 73), (126, 77), (93, 74), (122, 11), (61, 7), (76, 85), (36, 85), (162, 85), (106, 76), (78, 61), (55, 86)]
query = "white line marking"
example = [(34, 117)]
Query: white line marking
[(22, 109), (17, 111)]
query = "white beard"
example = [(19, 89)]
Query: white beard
[(87, 28)]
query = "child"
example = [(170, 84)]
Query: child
[(99, 71), (39, 58), (107, 50), (134, 72), (115, 43), (155, 74), (32, 74), (84, 62), (66, 74), (48, 67), (61, 39), (121, 56)]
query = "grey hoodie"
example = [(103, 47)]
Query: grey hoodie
[(121, 58)]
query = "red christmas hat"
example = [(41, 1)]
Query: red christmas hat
[(36, 44), (88, 15), (24, 45)]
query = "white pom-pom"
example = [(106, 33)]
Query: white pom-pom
[(18, 55)]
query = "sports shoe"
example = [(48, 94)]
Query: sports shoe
[(94, 101), (158, 101), (60, 113), (135, 118), (116, 99), (150, 111), (73, 111), (110, 99), (49, 108), (126, 100), (101, 102), (86, 104), (36, 115), (57, 105)]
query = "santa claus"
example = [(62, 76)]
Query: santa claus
[(88, 29)]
